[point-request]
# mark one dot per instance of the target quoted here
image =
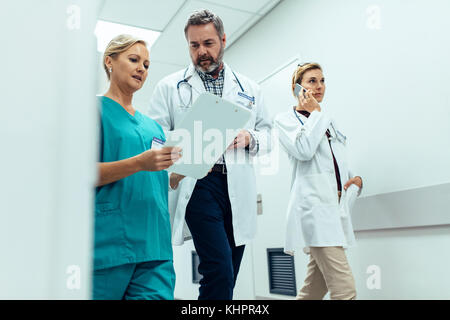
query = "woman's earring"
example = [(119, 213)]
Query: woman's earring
[(110, 70)]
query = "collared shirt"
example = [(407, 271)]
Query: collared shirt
[(213, 85)]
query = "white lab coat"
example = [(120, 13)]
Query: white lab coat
[(165, 109), (315, 217)]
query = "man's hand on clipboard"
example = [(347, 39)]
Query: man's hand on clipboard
[(241, 141)]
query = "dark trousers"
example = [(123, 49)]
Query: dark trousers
[(208, 216)]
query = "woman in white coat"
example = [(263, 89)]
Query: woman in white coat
[(322, 192)]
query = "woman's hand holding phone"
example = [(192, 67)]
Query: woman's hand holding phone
[(308, 102)]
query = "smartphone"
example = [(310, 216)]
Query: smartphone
[(299, 88)]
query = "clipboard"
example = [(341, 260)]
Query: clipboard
[(204, 134)]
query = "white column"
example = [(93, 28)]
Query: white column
[(48, 148)]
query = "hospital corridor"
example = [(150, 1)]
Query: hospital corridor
[(253, 150)]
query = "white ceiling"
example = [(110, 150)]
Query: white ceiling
[(170, 52), (169, 17), (149, 14)]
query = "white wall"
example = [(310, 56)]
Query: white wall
[(48, 148), (387, 69)]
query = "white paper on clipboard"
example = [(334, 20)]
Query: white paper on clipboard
[(207, 126)]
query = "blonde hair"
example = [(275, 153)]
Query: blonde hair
[(117, 45), (297, 77)]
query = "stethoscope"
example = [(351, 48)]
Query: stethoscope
[(185, 82), (337, 133)]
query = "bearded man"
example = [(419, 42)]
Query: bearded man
[(220, 209)]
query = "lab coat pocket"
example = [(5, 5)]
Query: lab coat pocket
[(348, 200), (245, 100), (352, 194), (346, 205), (248, 104), (317, 189), (106, 208), (322, 226)]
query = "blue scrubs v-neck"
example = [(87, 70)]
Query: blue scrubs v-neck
[(132, 222)]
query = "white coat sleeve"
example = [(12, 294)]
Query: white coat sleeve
[(161, 108), (351, 173), (261, 133), (350, 176), (302, 141)]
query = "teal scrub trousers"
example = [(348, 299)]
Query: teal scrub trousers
[(152, 280)]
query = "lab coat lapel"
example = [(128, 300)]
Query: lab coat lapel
[(195, 81), (331, 130), (334, 129), (230, 87)]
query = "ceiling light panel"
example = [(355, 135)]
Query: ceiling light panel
[(149, 14)]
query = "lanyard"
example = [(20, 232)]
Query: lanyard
[(295, 112)]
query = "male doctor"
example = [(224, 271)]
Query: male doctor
[(220, 209)]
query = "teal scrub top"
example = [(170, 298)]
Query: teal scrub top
[(132, 222)]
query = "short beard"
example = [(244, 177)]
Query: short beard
[(215, 65)]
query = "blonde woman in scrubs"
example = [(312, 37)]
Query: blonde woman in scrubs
[(323, 189), (133, 251)]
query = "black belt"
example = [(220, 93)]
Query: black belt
[(222, 168)]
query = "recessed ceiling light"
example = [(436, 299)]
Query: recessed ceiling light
[(105, 31)]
